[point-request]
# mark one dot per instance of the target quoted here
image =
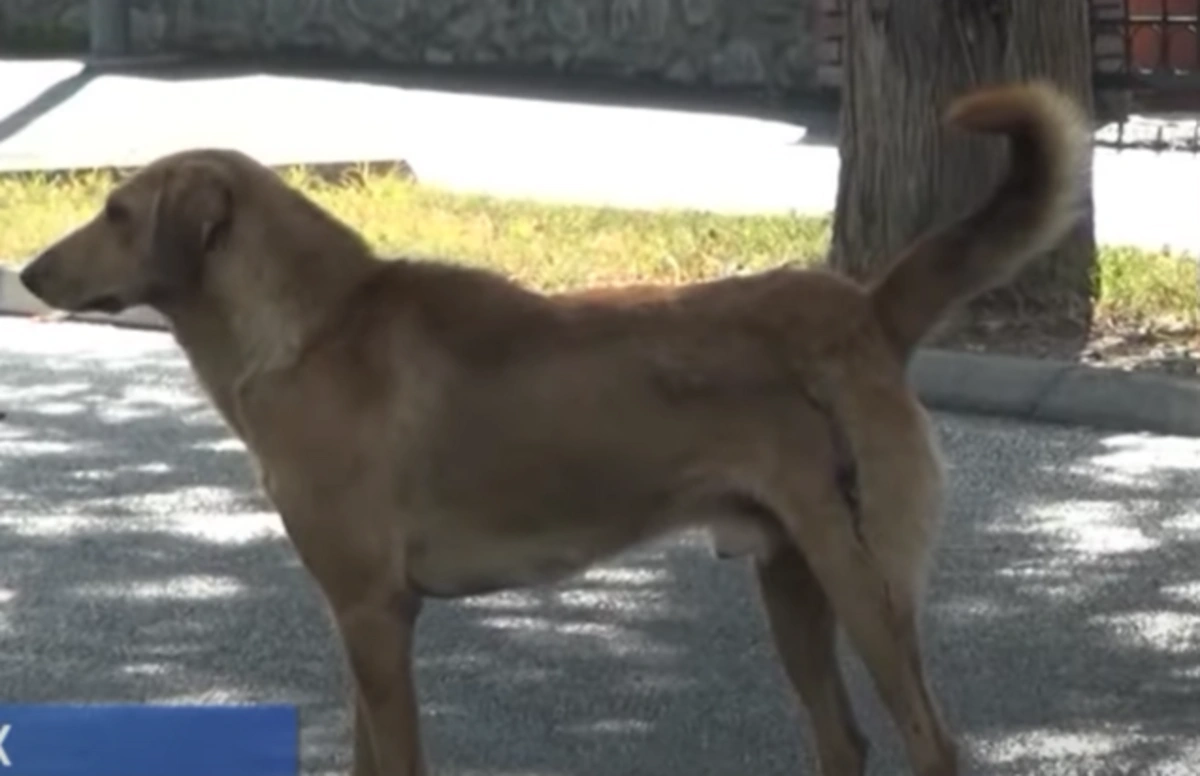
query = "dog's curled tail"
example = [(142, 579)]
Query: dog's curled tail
[(1030, 212)]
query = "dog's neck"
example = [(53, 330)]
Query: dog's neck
[(252, 323)]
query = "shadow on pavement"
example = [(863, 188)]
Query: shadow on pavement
[(138, 563), (50, 98), (1067, 614)]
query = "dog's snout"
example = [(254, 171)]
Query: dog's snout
[(33, 277)]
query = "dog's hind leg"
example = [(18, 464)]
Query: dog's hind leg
[(804, 630), (877, 605)]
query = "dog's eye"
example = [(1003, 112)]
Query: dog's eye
[(116, 213)]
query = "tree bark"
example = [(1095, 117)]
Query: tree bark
[(903, 171)]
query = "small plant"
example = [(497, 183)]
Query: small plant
[(1149, 288)]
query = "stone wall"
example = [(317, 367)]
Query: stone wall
[(724, 43)]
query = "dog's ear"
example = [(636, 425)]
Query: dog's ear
[(192, 211)]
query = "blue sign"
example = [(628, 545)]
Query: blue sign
[(138, 740)]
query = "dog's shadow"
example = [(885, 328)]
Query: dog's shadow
[(138, 563)]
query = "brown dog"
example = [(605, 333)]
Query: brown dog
[(426, 429)]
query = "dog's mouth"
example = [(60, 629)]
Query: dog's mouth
[(108, 304)]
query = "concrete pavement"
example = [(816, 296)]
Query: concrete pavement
[(53, 115), (137, 563)]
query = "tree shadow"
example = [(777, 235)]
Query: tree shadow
[(1066, 615), (138, 562), (54, 95)]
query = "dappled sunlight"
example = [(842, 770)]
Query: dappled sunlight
[(1097, 753), (124, 411), (6, 597), (196, 587), (230, 445), (47, 392), (1082, 564), (601, 610), (624, 576), (35, 447), (112, 435), (214, 499), (144, 563), (50, 527), (139, 561), (1061, 744), (207, 527), (1136, 460), (65, 399), (612, 637), (973, 606), (611, 727), (62, 407), (146, 669), (1175, 632), (1184, 523), (505, 599), (525, 624), (655, 648), (640, 602), (1049, 579), (242, 528), (1089, 527), (1187, 592)]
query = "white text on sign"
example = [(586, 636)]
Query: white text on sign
[(4, 761)]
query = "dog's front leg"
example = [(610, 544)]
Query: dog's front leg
[(378, 635), (364, 752)]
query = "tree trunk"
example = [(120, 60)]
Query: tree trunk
[(903, 171)]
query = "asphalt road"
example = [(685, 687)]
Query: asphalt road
[(138, 564)]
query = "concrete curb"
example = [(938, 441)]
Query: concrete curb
[(1022, 388), (1057, 392)]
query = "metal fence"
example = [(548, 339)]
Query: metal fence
[(1146, 45), (1146, 60)]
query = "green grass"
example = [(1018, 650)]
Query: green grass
[(558, 247), (1150, 288), (550, 247)]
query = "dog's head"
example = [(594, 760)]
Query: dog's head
[(149, 243)]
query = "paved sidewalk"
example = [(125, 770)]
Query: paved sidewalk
[(52, 115)]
